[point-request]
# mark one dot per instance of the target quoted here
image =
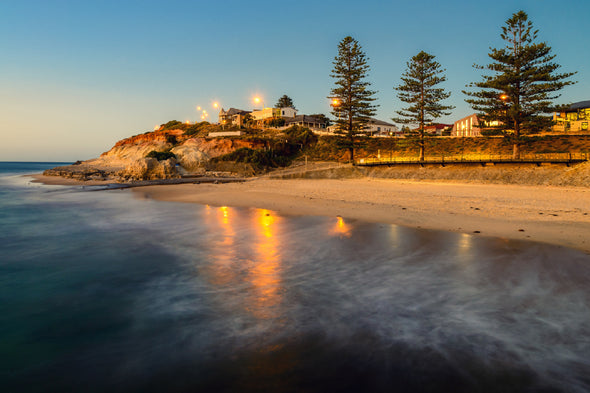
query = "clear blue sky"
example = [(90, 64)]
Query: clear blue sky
[(77, 76)]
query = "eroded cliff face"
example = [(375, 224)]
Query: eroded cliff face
[(127, 159)]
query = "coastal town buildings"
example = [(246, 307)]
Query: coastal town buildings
[(269, 113), (232, 116), (312, 122), (472, 126), (376, 127), (467, 126), (573, 119), (437, 129)]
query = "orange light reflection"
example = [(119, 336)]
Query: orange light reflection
[(265, 273), (341, 228)]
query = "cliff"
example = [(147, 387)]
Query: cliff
[(127, 159)]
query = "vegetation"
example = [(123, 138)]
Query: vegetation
[(275, 122), (522, 84), (322, 117), (419, 89), (160, 155), (279, 152), (285, 102), (351, 97)]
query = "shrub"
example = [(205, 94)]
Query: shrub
[(172, 124), (258, 158), (160, 155), (171, 139)]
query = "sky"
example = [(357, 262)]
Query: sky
[(77, 76)]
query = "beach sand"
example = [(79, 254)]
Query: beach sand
[(557, 215), (550, 214)]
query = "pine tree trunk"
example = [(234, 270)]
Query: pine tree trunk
[(351, 151), (516, 144)]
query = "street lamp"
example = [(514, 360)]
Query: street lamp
[(258, 100), (335, 103), (504, 98)]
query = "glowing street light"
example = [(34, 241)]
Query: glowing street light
[(215, 105), (503, 97), (258, 100), (198, 108), (335, 102)]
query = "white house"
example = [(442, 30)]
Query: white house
[(268, 113), (375, 127)]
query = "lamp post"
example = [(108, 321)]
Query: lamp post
[(504, 98), (335, 103)]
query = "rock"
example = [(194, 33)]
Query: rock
[(150, 169)]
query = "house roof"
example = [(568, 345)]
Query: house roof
[(379, 122), (579, 105), (438, 126), (304, 118), (234, 111)]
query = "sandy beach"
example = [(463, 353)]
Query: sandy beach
[(557, 215), (550, 214)]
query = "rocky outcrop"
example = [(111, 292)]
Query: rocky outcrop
[(194, 153), (149, 169), (127, 161)]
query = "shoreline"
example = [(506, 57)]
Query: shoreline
[(547, 214)]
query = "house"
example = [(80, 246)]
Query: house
[(375, 127), (472, 126), (311, 122), (436, 128), (232, 117), (575, 118), (269, 113)]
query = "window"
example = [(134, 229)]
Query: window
[(585, 126)]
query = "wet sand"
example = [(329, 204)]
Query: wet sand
[(556, 215)]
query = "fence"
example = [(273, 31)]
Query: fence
[(478, 158)]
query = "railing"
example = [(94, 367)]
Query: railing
[(299, 167), (478, 158)]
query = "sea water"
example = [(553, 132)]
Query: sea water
[(103, 291)]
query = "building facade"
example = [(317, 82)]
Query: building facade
[(312, 122), (574, 119), (376, 127), (467, 126), (232, 116), (269, 113)]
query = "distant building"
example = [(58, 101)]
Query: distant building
[(467, 126), (311, 122), (377, 127), (436, 129), (573, 119), (472, 126), (232, 117), (268, 113)]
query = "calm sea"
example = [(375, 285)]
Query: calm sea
[(104, 292)]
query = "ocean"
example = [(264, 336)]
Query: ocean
[(102, 291)]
